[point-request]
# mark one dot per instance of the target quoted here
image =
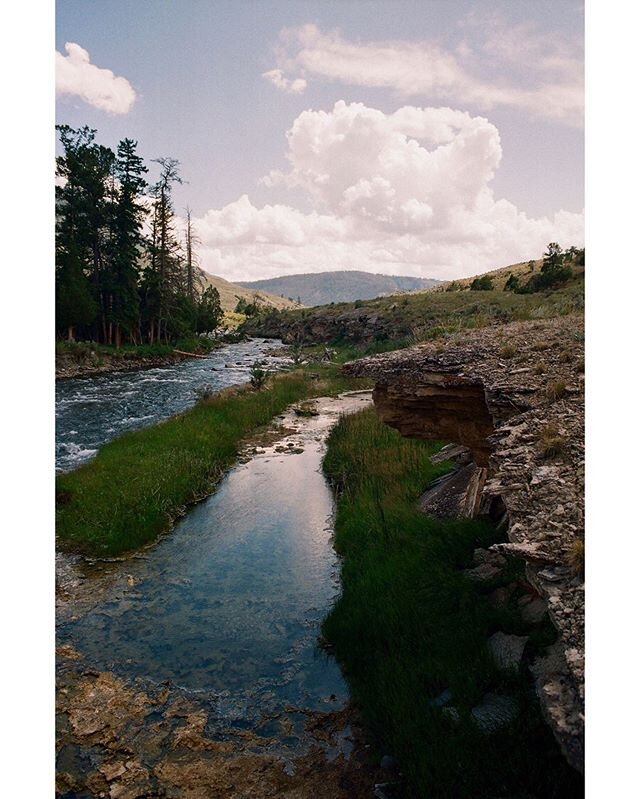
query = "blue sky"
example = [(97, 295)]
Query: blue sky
[(197, 70)]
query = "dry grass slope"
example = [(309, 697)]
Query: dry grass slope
[(230, 293)]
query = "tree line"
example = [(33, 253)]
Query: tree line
[(123, 272)]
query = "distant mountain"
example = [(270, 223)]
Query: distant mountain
[(230, 293), (322, 288)]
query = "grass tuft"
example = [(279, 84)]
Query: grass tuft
[(555, 390), (576, 557), (552, 443)]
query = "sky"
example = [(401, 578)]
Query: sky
[(437, 138)]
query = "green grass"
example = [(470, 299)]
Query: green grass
[(138, 484), (409, 624)]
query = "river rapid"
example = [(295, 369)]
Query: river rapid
[(92, 410)]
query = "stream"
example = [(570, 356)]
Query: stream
[(92, 410), (227, 608)]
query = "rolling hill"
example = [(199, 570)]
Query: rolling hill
[(322, 288), (230, 293)]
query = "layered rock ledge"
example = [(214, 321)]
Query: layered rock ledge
[(514, 396)]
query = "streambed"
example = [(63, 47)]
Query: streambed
[(225, 611)]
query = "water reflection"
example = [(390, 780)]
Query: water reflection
[(231, 602)]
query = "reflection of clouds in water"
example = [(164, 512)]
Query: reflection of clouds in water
[(232, 601)]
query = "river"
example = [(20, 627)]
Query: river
[(92, 410)]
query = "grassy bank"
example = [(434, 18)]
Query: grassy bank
[(139, 483), (409, 625)]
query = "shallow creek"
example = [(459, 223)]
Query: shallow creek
[(222, 616)]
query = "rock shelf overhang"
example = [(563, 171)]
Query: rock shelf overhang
[(514, 396)]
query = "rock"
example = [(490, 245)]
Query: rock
[(442, 699), (533, 552), (452, 452), (112, 770), (456, 495), (551, 575), (483, 573), (380, 790), (387, 762), (482, 556), (507, 650), (494, 712), (533, 610), (500, 596)]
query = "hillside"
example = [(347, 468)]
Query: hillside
[(230, 293), (499, 276), (323, 288), (423, 315)]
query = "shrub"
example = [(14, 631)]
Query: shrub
[(204, 393), (297, 353), (483, 283), (512, 284), (258, 375)]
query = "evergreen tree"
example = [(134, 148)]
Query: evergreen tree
[(83, 212), (75, 305), (164, 272), (127, 242), (112, 282), (210, 311)]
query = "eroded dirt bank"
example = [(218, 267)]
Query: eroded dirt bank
[(123, 733), (513, 397)]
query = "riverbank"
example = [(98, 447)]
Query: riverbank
[(84, 359), (433, 643), (138, 484), (514, 396)]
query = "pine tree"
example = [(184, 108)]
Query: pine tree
[(129, 214), (210, 311), (191, 240), (164, 268), (83, 212)]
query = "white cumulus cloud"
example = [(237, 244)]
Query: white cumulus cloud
[(77, 76), (407, 192)]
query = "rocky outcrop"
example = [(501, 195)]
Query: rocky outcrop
[(327, 324), (513, 395)]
